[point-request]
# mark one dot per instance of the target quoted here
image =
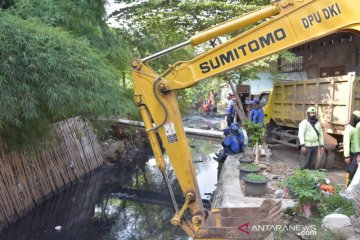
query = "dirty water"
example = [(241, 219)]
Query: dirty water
[(118, 203)]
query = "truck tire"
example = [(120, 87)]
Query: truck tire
[(269, 136), (331, 143), (321, 160)]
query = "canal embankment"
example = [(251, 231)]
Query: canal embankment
[(28, 178)]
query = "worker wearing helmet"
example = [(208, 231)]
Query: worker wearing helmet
[(311, 137), (351, 143), (230, 110), (239, 135), (230, 146), (257, 113)]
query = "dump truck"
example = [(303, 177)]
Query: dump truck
[(335, 98)]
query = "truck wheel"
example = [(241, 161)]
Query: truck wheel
[(269, 135), (321, 160)]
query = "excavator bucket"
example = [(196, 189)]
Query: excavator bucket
[(241, 223)]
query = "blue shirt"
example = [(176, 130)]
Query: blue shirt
[(230, 140), (238, 133), (241, 140), (230, 109), (251, 115), (258, 116)]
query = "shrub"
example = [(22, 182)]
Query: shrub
[(330, 204), (250, 167), (303, 185), (48, 75), (255, 177), (255, 132)]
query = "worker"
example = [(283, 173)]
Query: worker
[(206, 105), (311, 137), (212, 101), (351, 144), (250, 110), (230, 110), (258, 113), (239, 135), (358, 134), (230, 146)]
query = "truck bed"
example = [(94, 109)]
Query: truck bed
[(334, 98)]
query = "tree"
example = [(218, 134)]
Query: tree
[(83, 19), (48, 74), (155, 25)]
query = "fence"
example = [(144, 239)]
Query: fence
[(295, 65), (28, 178)]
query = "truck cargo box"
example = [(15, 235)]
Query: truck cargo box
[(334, 98)]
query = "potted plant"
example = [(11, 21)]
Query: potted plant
[(303, 184), (245, 159), (248, 168), (255, 132), (255, 184)]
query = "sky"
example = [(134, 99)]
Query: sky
[(109, 8), (112, 6)]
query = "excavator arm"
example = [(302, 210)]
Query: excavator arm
[(287, 23)]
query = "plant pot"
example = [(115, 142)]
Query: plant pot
[(245, 160), (244, 172), (255, 188)]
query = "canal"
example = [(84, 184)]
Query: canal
[(119, 202)]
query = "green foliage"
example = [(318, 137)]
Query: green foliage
[(250, 167), (255, 177), (255, 132), (303, 184), (84, 19), (330, 204), (178, 21), (101, 127), (299, 220), (5, 4), (47, 75), (198, 93)]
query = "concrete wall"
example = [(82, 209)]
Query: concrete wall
[(264, 83)]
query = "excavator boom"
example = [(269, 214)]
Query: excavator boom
[(287, 23)]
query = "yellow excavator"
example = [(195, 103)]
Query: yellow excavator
[(285, 24)]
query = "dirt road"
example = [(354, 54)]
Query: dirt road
[(288, 158)]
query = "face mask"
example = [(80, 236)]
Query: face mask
[(311, 117), (353, 120)]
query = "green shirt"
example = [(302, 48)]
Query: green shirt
[(308, 136), (357, 138), (351, 140)]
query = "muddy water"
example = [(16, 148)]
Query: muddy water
[(117, 203)]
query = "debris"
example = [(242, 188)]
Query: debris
[(279, 193), (58, 228)]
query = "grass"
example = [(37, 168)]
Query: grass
[(308, 235)]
